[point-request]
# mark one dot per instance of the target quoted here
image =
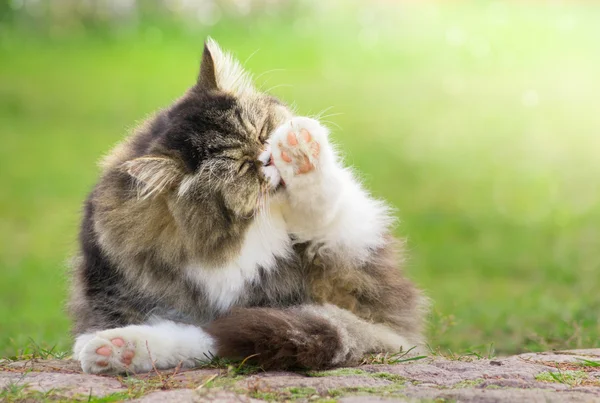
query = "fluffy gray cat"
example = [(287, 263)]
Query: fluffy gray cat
[(226, 226)]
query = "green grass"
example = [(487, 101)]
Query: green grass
[(336, 372), (589, 363), (478, 122), (571, 378)]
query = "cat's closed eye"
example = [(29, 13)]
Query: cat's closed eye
[(239, 160)]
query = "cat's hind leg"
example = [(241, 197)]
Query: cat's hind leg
[(140, 348)]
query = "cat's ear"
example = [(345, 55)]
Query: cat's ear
[(207, 79), (221, 71), (154, 175)]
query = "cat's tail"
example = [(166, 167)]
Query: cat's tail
[(307, 336)]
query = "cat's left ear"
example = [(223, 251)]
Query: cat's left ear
[(219, 70), (153, 174)]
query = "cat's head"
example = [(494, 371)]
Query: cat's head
[(211, 145)]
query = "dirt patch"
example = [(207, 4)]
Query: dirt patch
[(560, 376)]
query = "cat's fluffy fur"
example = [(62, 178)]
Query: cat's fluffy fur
[(213, 232)]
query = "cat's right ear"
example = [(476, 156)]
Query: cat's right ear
[(207, 79), (219, 70)]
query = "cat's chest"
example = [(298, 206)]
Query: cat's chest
[(265, 241)]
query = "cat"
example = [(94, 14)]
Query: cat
[(227, 226)]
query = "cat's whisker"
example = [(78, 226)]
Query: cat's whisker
[(251, 56), (264, 74), (268, 72), (323, 113), (318, 115), (330, 115), (331, 123), (278, 86)]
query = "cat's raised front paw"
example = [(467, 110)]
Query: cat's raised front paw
[(297, 146)]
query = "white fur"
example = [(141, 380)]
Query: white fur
[(270, 171), (265, 240), (328, 205), (163, 344)]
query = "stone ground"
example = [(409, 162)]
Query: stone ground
[(559, 376)]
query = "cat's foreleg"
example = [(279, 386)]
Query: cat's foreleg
[(140, 348), (311, 173), (325, 202)]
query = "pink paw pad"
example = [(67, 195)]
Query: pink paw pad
[(291, 139), (104, 350), (304, 163), (305, 135), (127, 357), (286, 157)]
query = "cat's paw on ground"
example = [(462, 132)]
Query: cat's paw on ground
[(111, 351), (297, 146)]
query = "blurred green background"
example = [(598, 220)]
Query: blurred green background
[(478, 121)]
